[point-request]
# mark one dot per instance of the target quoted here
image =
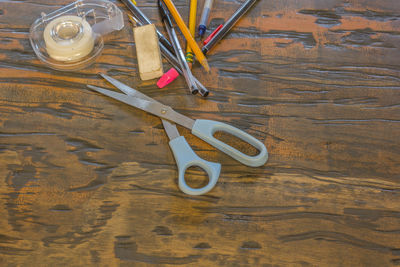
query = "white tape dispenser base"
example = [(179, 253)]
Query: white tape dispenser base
[(68, 38)]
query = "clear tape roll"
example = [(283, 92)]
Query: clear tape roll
[(68, 38)]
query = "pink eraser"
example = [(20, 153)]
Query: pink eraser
[(167, 78)]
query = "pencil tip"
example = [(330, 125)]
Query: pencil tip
[(204, 63)]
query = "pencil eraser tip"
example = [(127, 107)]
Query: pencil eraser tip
[(167, 78)]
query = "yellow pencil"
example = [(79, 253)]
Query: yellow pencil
[(192, 29), (182, 26)]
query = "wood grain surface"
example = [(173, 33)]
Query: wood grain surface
[(85, 180)]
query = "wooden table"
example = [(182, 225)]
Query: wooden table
[(85, 180)]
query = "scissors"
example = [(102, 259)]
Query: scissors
[(185, 157)]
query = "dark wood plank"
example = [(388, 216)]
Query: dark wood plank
[(85, 180)]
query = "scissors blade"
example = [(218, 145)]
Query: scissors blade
[(126, 89), (153, 107), (171, 129)]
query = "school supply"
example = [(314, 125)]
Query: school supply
[(70, 38), (172, 59), (148, 52), (204, 17), (185, 31), (192, 29), (167, 78), (203, 129), (228, 25), (177, 47), (144, 20)]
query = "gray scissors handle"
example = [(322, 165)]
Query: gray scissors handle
[(205, 130), (185, 158)]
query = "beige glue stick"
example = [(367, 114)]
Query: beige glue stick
[(148, 52)]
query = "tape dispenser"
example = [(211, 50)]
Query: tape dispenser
[(70, 38)]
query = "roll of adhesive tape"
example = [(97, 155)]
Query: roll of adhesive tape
[(68, 38)]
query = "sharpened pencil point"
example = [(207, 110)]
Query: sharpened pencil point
[(205, 65)]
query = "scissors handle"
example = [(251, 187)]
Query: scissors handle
[(205, 130), (185, 158)]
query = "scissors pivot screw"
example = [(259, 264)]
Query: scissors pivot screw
[(163, 111)]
